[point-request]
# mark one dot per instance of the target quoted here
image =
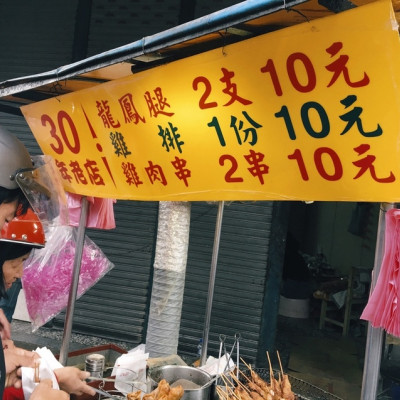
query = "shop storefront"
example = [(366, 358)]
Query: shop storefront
[(326, 132)]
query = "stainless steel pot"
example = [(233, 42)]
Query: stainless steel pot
[(195, 377)]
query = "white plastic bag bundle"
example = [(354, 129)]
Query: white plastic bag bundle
[(130, 371), (217, 366)]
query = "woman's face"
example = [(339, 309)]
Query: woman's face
[(7, 212), (13, 269)]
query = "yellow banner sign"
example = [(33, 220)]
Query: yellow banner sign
[(310, 112)]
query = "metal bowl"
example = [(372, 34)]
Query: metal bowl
[(173, 373)]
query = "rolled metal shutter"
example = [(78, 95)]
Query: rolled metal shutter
[(116, 306), (116, 23), (26, 47), (204, 7), (240, 278)]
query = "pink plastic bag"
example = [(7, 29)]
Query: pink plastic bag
[(47, 273), (100, 211), (383, 308)]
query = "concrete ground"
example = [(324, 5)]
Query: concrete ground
[(52, 338), (323, 358)]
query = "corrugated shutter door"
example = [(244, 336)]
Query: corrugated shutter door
[(19, 127), (240, 277), (116, 23), (26, 47), (204, 7)]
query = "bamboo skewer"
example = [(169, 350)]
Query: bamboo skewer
[(280, 366), (222, 394), (235, 395), (36, 371), (245, 376), (280, 363), (271, 372), (226, 381), (241, 384), (239, 389), (247, 365)]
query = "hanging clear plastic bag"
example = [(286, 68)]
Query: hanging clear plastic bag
[(48, 273)]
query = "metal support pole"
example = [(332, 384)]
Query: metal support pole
[(373, 348), (80, 240), (217, 236)]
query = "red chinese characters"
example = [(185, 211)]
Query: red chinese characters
[(257, 168), (367, 164), (155, 173), (85, 174), (131, 174), (230, 90), (157, 103), (182, 172), (329, 166), (129, 109), (104, 112), (339, 67), (300, 61)]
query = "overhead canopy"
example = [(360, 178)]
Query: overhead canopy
[(235, 23)]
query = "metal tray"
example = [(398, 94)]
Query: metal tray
[(303, 390)]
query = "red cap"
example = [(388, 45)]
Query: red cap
[(26, 229)]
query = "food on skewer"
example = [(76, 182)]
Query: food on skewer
[(163, 391), (242, 393), (253, 387), (285, 384)]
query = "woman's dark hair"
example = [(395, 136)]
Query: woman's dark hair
[(10, 195), (11, 251)]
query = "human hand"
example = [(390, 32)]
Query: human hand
[(72, 380), (44, 391), (5, 326), (14, 358)]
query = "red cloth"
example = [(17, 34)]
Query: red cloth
[(11, 393)]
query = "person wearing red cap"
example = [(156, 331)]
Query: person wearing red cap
[(14, 157), (70, 379), (25, 229), (16, 167)]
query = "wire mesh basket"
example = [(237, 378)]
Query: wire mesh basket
[(303, 390)]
